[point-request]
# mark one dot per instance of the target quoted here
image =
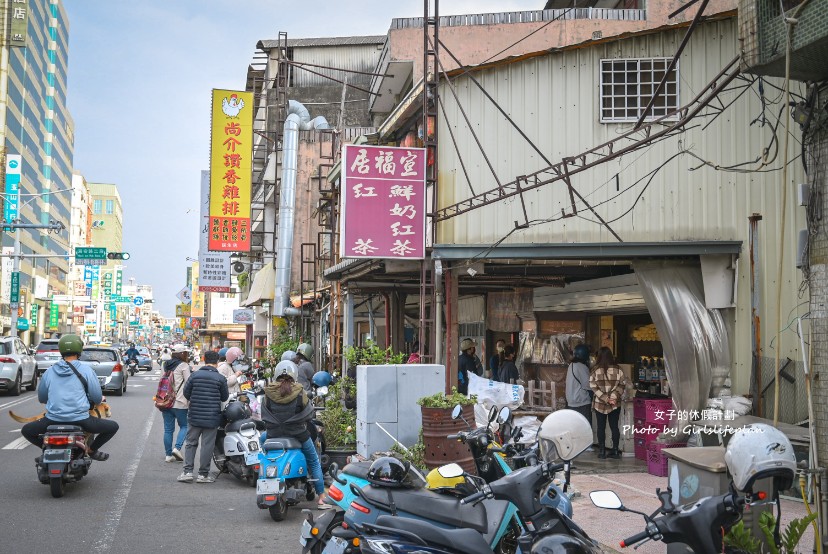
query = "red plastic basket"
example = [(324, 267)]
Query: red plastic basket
[(648, 409), (657, 460), (640, 449)]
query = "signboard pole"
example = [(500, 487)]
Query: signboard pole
[(15, 272)]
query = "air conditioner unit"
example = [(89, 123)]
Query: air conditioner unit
[(802, 249), (803, 193)]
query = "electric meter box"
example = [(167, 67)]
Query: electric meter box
[(387, 403)]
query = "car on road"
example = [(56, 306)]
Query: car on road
[(17, 366), (109, 366), (46, 354), (144, 359)]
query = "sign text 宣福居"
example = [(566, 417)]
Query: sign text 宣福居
[(384, 202), (231, 154)]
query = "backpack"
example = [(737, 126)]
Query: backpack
[(165, 394)]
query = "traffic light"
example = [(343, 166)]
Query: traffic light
[(118, 255)]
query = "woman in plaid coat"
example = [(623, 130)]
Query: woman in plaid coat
[(608, 382)]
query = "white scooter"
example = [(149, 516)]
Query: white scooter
[(237, 446)]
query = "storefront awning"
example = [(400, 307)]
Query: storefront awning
[(298, 301), (593, 251), (263, 287)]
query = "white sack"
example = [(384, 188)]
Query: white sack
[(493, 393)]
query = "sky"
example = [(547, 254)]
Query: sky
[(140, 78)]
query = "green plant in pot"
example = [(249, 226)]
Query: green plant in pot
[(438, 423), (371, 354), (339, 421)]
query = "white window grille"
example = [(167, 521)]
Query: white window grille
[(628, 84)]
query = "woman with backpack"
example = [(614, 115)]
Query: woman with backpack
[(177, 369)]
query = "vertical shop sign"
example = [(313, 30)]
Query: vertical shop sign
[(384, 202), (213, 267), (11, 201), (231, 152), (6, 273), (54, 314), (19, 22), (33, 317), (197, 303)]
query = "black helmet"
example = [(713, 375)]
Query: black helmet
[(581, 354), (236, 411), (388, 472), (70, 345)]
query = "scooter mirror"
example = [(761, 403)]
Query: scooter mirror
[(504, 415), (322, 391), (457, 412), (606, 499), (450, 471), (492, 414)]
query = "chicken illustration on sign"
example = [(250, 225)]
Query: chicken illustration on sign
[(230, 171), (384, 202)]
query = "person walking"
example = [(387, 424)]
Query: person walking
[(181, 371), (508, 370), (206, 390), (497, 359), (608, 382)]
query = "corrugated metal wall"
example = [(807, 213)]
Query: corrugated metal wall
[(555, 99), (356, 57)]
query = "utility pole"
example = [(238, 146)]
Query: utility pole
[(52, 226)]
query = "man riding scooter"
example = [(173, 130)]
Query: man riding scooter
[(132, 354)]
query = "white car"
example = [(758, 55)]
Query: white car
[(17, 366)]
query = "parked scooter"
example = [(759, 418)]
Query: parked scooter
[(546, 525), (64, 457), (237, 445), (362, 500)]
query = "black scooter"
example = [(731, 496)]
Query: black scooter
[(64, 458)]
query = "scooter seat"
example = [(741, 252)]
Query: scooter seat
[(358, 469), (429, 505), (62, 428), (461, 540), (282, 443), (235, 426)]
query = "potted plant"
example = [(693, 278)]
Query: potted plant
[(438, 423), (281, 343), (339, 421)]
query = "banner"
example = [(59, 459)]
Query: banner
[(5, 273), (54, 314), (19, 23), (231, 153), (14, 164), (384, 202), (214, 267), (197, 302)]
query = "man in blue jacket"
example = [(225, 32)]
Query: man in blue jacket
[(206, 389), (68, 395)]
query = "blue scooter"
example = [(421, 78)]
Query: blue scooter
[(361, 502)]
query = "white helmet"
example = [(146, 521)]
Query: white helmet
[(758, 451), (286, 367), (288, 355), (564, 434)]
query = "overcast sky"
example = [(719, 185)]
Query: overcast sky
[(140, 76)]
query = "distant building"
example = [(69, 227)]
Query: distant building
[(35, 124), (107, 218)]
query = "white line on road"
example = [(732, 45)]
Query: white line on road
[(14, 430), (17, 444), (113, 517), (16, 402), (137, 386)]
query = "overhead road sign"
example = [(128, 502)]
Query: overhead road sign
[(90, 256)]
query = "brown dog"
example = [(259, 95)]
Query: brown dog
[(101, 410)]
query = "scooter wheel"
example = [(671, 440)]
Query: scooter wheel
[(57, 486), (278, 510), (251, 480)]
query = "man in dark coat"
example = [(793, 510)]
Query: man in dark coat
[(466, 364), (206, 389)]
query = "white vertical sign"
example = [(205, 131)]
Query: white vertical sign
[(213, 267), (6, 273)]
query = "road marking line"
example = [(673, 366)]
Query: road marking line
[(137, 386), (617, 484), (113, 517), (17, 444), (15, 431), (16, 402)]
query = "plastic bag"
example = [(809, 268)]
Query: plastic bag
[(493, 393), (530, 426), (739, 405)]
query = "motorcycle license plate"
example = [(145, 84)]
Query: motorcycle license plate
[(62, 455), (335, 546), (251, 458), (267, 486), (306, 533)]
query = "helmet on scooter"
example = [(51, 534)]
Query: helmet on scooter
[(288, 355), (236, 411), (233, 354), (286, 368), (306, 351), (70, 345), (223, 353), (564, 434), (388, 472), (581, 354), (561, 544), (759, 451), (322, 379), (456, 485)]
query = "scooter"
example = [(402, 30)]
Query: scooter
[(237, 446), (700, 525), (64, 457), (361, 502), (546, 528)]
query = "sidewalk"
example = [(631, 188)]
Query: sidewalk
[(637, 490)]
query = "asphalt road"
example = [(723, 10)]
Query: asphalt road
[(132, 502)]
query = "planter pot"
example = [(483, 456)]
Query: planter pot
[(437, 425), (340, 456)]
